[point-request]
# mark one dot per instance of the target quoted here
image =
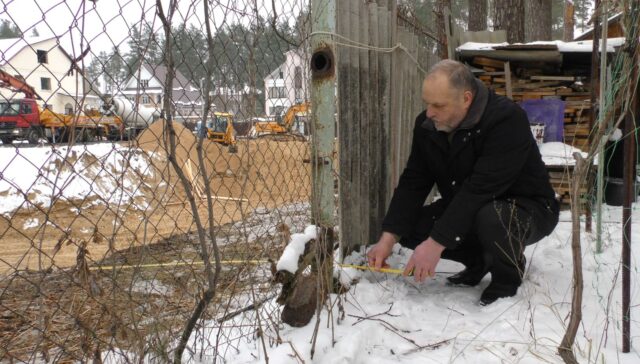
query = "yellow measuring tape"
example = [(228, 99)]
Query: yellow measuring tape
[(366, 267), (232, 262), (175, 264)]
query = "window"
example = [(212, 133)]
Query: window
[(158, 99), (45, 83), (68, 109), (26, 109), (146, 99), (277, 110), (42, 56), (9, 108), (277, 93), (297, 78), (144, 83)]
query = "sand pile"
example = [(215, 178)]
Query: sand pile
[(263, 172)]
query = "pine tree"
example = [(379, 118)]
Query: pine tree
[(9, 30), (509, 15)]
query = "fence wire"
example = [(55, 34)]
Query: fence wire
[(152, 165), (127, 161)]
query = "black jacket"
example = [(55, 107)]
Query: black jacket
[(491, 155)]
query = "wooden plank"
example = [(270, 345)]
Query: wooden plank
[(489, 62), (507, 75), (385, 92), (553, 78), (364, 121), (346, 130), (375, 122)]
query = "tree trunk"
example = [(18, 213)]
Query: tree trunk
[(569, 20), (509, 16), (537, 20), (442, 34), (477, 15)]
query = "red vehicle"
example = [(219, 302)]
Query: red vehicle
[(19, 118), (23, 119)]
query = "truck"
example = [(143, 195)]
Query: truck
[(136, 117), (283, 127), (219, 128), (24, 119)]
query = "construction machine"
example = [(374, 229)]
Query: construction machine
[(136, 117), (283, 127), (219, 128), (25, 119)]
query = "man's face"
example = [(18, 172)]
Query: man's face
[(446, 106)]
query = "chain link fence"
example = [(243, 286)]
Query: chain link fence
[(139, 144), (155, 160)]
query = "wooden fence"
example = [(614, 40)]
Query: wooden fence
[(381, 61)]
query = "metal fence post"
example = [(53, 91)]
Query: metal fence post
[(323, 76)]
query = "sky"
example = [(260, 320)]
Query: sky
[(105, 23)]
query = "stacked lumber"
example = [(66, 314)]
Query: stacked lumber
[(521, 83), (533, 83), (560, 177)]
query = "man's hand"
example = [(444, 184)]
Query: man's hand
[(378, 254), (424, 260)]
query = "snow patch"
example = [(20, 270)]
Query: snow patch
[(292, 252), (557, 153)]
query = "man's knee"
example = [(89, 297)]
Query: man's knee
[(502, 225)]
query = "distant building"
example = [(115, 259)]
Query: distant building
[(148, 90), (288, 84), (241, 103), (49, 69)]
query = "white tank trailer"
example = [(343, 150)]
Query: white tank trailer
[(136, 117)]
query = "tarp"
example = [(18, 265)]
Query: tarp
[(549, 112)]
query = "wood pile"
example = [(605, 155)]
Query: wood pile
[(560, 177), (530, 84), (534, 83)]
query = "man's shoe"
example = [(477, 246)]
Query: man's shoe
[(497, 290), (470, 276), (500, 289)]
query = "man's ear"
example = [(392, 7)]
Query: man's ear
[(467, 98)]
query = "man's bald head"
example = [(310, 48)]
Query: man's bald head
[(459, 76)]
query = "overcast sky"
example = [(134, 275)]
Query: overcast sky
[(105, 23)]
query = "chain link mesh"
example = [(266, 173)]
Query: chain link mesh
[(105, 173)]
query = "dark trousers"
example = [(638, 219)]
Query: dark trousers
[(501, 231)]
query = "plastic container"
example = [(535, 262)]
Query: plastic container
[(614, 191)]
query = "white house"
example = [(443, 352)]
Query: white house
[(148, 90), (288, 84), (49, 69)]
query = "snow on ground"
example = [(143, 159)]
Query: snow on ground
[(391, 319), (110, 173)]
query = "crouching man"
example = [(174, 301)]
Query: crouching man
[(496, 198)]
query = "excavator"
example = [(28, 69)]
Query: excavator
[(282, 128), (24, 119), (219, 129)]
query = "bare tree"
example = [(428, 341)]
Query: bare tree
[(569, 20), (509, 16), (477, 15), (537, 20)]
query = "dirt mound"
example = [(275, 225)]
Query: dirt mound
[(263, 172)]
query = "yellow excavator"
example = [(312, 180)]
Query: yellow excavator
[(282, 128), (219, 129)]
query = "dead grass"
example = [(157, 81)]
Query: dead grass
[(68, 316)]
